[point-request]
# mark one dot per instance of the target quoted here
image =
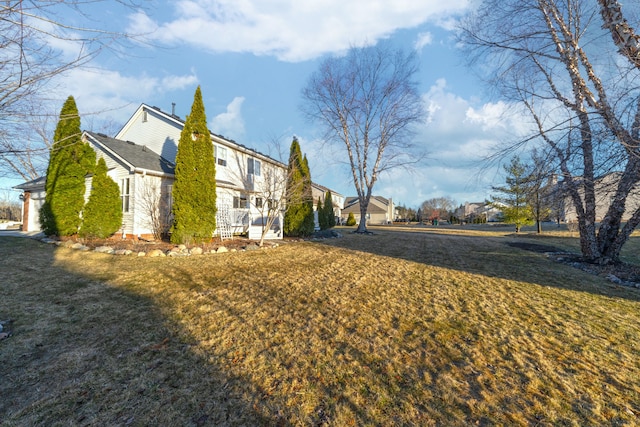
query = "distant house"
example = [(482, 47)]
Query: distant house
[(141, 159), (477, 211), (319, 192), (605, 187), (379, 211)]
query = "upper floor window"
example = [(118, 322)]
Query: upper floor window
[(220, 153), (253, 166)]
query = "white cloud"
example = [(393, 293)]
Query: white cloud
[(230, 123), (423, 40), (99, 90), (290, 30)]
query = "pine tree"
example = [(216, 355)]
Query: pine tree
[(514, 199), (70, 161), (298, 219), (102, 215), (330, 218), (194, 189)]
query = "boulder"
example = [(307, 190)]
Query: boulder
[(104, 249), (155, 253)]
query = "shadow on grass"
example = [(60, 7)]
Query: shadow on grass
[(85, 353), (509, 256)]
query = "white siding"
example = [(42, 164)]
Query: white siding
[(158, 133)]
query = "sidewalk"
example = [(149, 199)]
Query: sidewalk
[(18, 233)]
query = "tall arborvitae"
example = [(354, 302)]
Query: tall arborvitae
[(102, 215), (330, 218), (308, 225), (321, 217), (194, 189), (70, 160), (299, 199)]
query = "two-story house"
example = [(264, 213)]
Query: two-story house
[(141, 159)]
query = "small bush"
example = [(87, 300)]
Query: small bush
[(351, 220)]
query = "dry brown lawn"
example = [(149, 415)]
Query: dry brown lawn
[(405, 327)]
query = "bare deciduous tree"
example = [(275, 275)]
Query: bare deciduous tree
[(367, 102), (437, 208), (553, 57), (40, 40), (154, 201)]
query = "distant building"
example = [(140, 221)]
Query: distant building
[(605, 188), (319, 192), (474, 211), (379, 211)]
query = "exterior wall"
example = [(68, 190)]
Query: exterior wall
[(150, 201), (150, 128)]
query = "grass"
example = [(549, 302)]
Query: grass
[(405, 327)]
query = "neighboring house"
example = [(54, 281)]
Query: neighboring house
[(141, 159), (379, 211), (319, 191), (477, 210), (605, 187)]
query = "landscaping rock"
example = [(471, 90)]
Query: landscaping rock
[(155, 253), (122, 252), (251, 248), (104, 249), (222, 249), (196, 251), (142, 253)]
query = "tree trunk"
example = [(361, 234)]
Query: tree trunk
[(362, 226)]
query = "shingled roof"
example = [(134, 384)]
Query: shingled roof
[(138, 156)]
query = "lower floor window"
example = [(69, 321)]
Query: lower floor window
[(240, 202), (124, 194)]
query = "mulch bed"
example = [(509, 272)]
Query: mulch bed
[(619, 273)]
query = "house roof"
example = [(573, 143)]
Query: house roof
[(34, 184), (138, 156), (220, 139), (376, 205), (354, 200)]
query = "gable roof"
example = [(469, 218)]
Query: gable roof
[(137, 156), (377, 205), (216, 138)]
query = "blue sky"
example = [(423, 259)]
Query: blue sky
[(253, 57)]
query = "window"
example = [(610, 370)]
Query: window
[(124, 194), (240, 202), (259, 202), (253, 166), (220, 153)]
